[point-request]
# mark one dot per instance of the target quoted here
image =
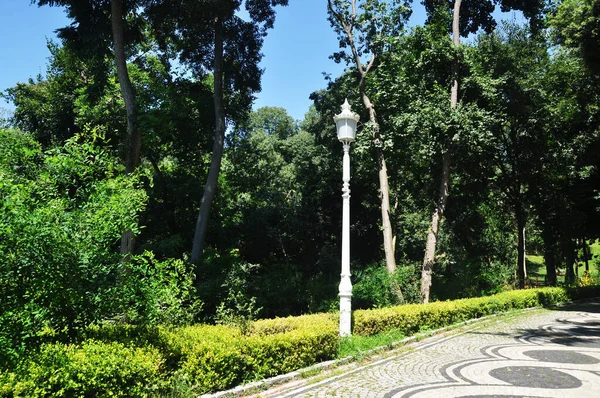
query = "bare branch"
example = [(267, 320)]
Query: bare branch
[(371, 62), (353, 16), (336, 15)]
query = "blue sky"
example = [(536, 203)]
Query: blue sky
[(23, 52)]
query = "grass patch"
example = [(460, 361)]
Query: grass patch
[(595, 260), (356, 346), (537, 267), (536, 264)]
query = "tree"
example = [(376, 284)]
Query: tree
[(576, 24), (274, 199), (134, 138), (568, 211), (46, 107), (510, 67), (91, 26), (363, 28), (477, 15), (212, 37)]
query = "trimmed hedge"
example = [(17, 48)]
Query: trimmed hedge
[(120, 360), (217, 357), (411, 318), (93, 368), (142, 361)]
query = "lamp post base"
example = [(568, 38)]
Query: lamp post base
[(345, 306), (345, 316)]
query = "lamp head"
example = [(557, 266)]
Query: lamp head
[(346, 123)]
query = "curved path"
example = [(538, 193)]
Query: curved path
[(537, 354)]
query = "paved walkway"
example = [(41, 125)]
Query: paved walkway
[(537, 354)]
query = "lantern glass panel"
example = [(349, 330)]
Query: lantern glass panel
[(346, 129)]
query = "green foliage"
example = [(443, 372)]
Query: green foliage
[(219, 357), (477, 14), (159, 292), (477, 247), (575, 24), (45, 106), (376, 288), (526, 131), (198, 359), (374, 22), (238, 308), (61, 213), (93, 368), (356, 346), (586, 280)]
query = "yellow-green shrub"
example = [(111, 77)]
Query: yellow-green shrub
[(217, 358), (414, 317), (93, 369)]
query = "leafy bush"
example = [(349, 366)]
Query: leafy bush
[(238, 308), (159, 292), (586, 280), (126, 360), (376, 288), (203, 358), (91, 369), (583, 292), (61, 213)]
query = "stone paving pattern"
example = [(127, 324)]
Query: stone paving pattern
[(537, 354)]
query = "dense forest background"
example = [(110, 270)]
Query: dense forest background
[(138, 185)]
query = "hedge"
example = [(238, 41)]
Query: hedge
[(411, 318), (120, 360), (93, 368), (216, 357), (145, 361)]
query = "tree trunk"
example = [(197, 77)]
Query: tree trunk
[(215, 163), (570, 258), (586, 252), (438, 211), (521, 259), (427, 269), (133, 143), (549, 256), (388, 240)]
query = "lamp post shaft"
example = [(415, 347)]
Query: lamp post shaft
[(345, 289)]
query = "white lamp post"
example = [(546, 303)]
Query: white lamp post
[(346, 131)]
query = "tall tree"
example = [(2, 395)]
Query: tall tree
[(477, 15), (134, 138), (211, 36), (91, 29), (363, 28), (217, 152), (512, 65), (45, 107)]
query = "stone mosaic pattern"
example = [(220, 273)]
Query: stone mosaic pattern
[(541, 354)]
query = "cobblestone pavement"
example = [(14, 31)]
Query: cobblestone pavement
[(537, 354)]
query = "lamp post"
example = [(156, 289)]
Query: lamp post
[(346, 123)]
